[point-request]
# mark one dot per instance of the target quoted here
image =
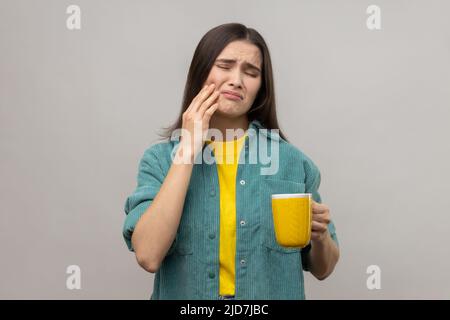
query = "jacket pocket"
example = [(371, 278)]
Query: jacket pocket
[(267, 188)]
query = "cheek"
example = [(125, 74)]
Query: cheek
[(253, 89), (214, 77)]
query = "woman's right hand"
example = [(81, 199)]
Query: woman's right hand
[(198, 114)]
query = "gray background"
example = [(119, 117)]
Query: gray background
[(78, 108)]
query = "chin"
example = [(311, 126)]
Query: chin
[(230, 110), (230, 107)]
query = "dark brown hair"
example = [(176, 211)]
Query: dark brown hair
[(208, 49)]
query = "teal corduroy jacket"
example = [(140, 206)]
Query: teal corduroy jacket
[(264, 269)]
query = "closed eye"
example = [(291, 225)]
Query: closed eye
[(228, 68)]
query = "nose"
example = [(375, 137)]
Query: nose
[(235, 80)]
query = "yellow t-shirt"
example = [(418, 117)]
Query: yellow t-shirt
[(227, 157)]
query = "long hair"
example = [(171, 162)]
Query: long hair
[(208, 49)]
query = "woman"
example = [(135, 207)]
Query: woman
[(206, 229)]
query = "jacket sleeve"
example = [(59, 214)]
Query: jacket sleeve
[(149, 180), (312, 183)]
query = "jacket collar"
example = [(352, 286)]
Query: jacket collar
[(258, 127)]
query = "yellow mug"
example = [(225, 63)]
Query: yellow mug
[(292, 216)]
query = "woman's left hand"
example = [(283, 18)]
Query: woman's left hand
[(320, 220)]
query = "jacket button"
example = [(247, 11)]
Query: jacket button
[(211, 275), (242, 182), (243, 262), (212, 193), (211, 235), (242, 222)]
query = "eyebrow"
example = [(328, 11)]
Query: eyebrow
[(232, 61)]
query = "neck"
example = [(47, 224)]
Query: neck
[(223, 123)]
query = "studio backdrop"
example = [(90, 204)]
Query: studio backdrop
[(362, 87)]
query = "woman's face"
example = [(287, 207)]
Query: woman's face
[(237, 70)]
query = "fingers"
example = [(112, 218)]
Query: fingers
[(318, 227), (209, 112), (203, 102), (320, 220), (191, 105), (317, 236), (194, 103), (319, 207), (321, 217), (208, 102), (202, 96)]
